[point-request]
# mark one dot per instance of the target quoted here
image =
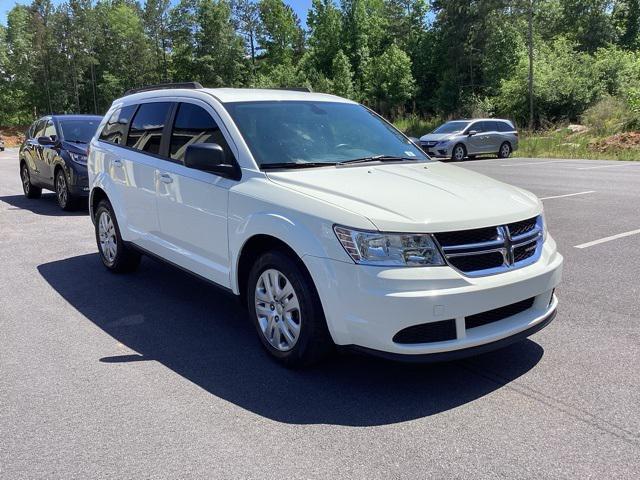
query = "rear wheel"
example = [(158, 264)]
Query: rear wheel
[(30, 191), (286, 311), (458, 153), (505, 150), (116, 255), (65, 199)]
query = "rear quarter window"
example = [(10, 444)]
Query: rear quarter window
[(116, 127)]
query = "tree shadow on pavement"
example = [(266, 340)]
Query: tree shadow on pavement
[(45, 205), (204, 335)]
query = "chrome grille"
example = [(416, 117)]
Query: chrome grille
[(485, 251)]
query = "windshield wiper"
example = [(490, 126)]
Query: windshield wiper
[(378, 158), (76, 141), (268, 166)]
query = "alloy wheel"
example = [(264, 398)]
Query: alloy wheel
[(278, 310), (505, 150), (26, 182), (458, 153), (61, 190), (107, 236)]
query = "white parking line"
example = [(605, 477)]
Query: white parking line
[(568, 195), (606, 166), (608, 239), (533, 163)]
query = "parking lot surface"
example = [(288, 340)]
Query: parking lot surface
[(159, 375)]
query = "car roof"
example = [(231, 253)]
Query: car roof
[(76, 117), (231, 95), (481, 120)]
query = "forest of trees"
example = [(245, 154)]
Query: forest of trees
[(428, 58)]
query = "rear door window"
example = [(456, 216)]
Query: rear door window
[(147, 125), (194, 125), (115, 129)]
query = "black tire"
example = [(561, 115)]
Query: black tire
[(458, 153), (66, 200), (314, 341), (505, 150), (30, 191), (125, 259)]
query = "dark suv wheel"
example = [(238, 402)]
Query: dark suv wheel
[(65, 199), (286, 311), (30, 191)]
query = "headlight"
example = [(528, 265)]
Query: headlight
[(78, 158), (389, 249), (543, 221)]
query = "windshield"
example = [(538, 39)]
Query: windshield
[(451, 127), (78, 130), (309, 132)]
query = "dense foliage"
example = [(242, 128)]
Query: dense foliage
[(418, 57)]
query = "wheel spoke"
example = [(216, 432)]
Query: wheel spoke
[(275, 297)]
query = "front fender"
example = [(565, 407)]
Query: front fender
[(305, 237)]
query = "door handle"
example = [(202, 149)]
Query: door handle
[(166, 178), (117, 162)]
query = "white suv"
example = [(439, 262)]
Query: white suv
[(330, 224)]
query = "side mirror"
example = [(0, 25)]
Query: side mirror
[(471, 133), (210, 157), (46, 141)]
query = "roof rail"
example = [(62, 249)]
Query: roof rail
[(294, 89), (163, 86)]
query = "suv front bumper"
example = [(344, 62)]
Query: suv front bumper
[(367, 306)]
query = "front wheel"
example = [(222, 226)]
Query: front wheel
[(29, 190), (286, 311), (458, 153), (505, 150), (116, 255), (66, 201)]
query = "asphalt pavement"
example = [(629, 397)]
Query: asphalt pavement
[(159, 375)]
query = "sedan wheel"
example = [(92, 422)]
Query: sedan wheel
[(278, 310)]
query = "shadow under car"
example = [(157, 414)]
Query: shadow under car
[(204, 335)]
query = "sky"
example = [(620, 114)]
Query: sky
[(299, 6)]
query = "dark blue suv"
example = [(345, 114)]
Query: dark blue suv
[(54, 156)]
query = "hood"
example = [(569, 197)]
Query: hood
[(81, 148), (436, 137), (422, 197)]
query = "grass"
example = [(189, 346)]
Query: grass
[(554, 143), (564, 144)]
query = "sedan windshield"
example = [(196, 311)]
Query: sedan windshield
[(451, 127), (288, 133), (79, 131)]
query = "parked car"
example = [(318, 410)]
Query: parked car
[(460, 139), (330, 225), (54, 156)]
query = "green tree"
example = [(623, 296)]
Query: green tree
[(342, 76), (390, 83), (325, 23), (280, 36)]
